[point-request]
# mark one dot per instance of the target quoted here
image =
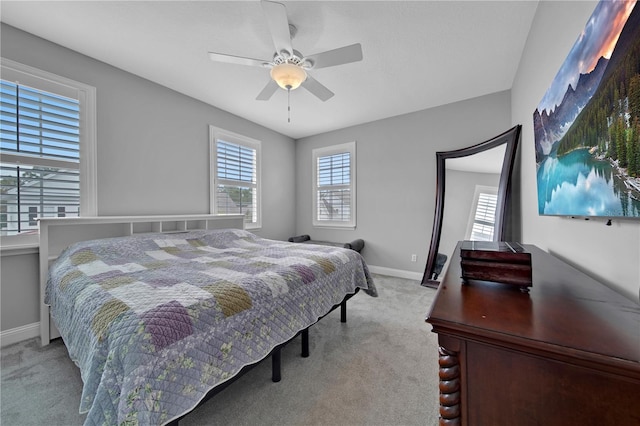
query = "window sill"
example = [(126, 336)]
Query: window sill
[(17, 249), (337, 227)]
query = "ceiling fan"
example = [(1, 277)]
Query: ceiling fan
[(289, 68)]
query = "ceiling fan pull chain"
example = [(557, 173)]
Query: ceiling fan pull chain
[(289, 105)]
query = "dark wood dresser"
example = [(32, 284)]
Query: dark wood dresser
[(566, 353)]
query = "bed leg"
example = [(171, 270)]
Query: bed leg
[(275, 365), (305, 343), (343, 311)]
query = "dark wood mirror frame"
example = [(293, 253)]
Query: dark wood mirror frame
[(511, 138)]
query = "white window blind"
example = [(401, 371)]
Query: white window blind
[(484, 216), (235, 162), (40, 166), (334, 185)]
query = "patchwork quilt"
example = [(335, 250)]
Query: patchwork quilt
[(155, 321)]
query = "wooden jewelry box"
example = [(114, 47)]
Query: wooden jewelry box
[(499, 261)]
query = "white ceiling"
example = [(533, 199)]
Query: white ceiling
[(417, 54)]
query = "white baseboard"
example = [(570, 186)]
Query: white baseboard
[(18, 334), (399, 273)]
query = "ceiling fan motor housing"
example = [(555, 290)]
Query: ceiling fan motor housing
[(296, 59)]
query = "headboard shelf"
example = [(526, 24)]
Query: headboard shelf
[(58, 233)]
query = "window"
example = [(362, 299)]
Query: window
[(47, 142), (235, 176), (334, 186), (483, 214)]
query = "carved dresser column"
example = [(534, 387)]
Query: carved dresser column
[(449, 374)]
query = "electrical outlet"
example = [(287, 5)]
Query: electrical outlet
[(414, 258)]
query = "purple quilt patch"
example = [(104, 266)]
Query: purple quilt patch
[(305, 273), (161, 281), (167, 324)]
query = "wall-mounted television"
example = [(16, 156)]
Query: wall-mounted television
[(587, 125)]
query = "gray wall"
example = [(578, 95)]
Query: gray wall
[(396, 175), (153, 143), (19, 290), (153, 149), (609, 253)]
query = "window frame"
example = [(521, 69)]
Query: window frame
[(316, 154), (217, 133), (86, 95)]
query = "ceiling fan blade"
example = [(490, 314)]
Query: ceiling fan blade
[(276, 14), (317, 89), (221, 57), (268, 91), (330, 58)]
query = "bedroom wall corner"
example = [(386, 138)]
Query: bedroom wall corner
[(396, 176), (153, 142)]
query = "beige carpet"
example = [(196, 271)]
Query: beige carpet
[(380, 368)]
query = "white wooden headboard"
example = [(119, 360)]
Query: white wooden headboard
[(58, 233)]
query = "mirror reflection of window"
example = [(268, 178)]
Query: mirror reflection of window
[(482, 216), (463, 177)]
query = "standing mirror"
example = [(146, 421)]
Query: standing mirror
[(477, 181)]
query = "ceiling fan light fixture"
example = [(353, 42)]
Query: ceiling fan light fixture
[(288, 76)]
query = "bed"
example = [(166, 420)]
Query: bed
[(160, 312)]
